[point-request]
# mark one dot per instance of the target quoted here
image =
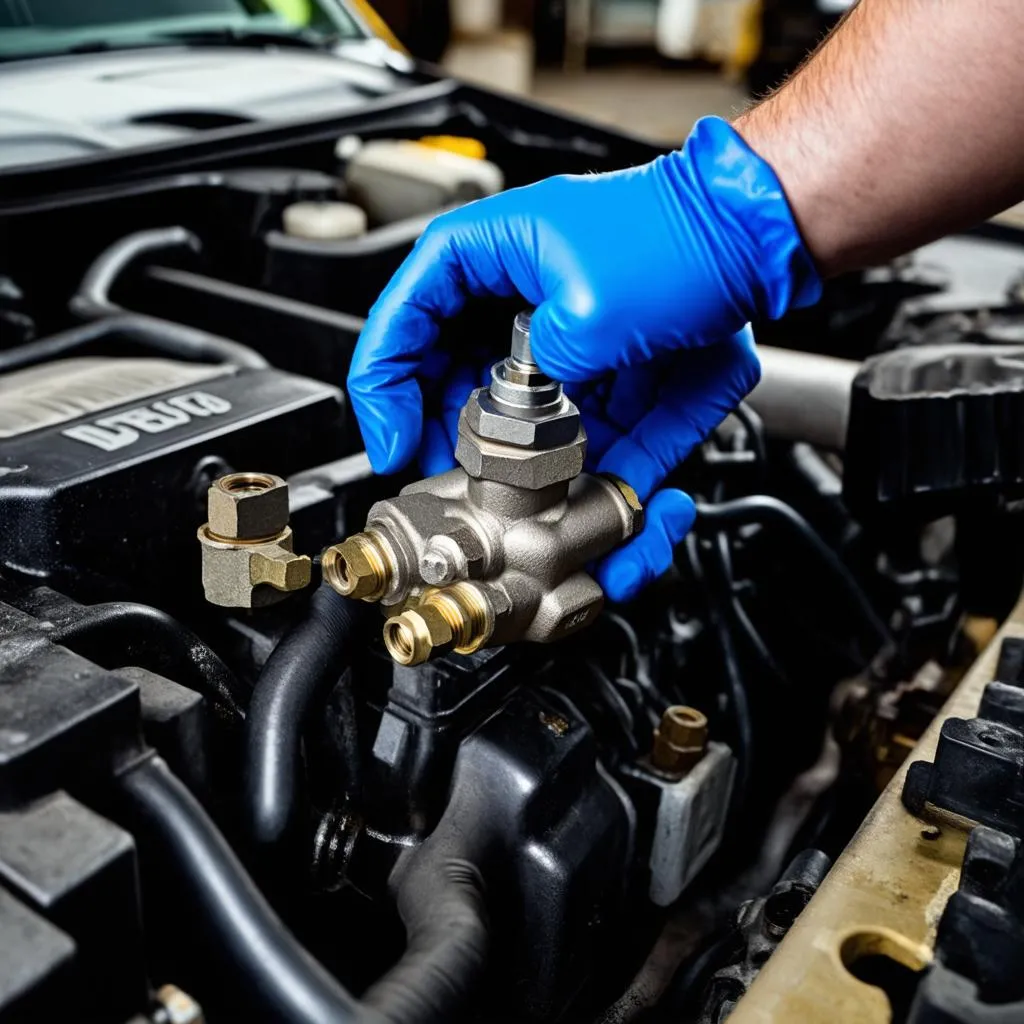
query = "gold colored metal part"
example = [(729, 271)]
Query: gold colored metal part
[(248, 556), (455, 618), (178, 1007), (632, 500), (358, 567), (680, 740), (884, 895), (247, 506)]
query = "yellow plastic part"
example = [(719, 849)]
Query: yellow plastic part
[(377, 25), (460, 144)]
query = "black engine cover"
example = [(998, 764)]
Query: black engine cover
[(119, 494)]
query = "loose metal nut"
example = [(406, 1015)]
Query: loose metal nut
[(247, 506)]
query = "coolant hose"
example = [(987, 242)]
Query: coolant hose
[(302, 668), (147, 333), (244, 941), (92, 299), (439, 893)]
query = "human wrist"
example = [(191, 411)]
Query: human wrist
[(746, 216)]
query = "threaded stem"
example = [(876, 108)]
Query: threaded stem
[(467, 612)]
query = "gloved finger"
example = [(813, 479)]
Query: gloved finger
[(668, 518), (436, 455), (441, 432), (710, 383), (460, 254)]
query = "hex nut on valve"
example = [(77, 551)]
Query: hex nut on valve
[(247, 544)]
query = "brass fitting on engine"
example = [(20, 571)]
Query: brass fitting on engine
[(361, 567), (680, 740), (495, 551), (248, 556), (457, 618)]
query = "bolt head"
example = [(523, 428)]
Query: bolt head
[(442, 561), (247, 506)]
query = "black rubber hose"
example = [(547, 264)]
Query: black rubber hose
[(145, 636), (242, 939), (92, 300), (144, 332), (441, 901), (761, 508), (301, 670), (439, 891)]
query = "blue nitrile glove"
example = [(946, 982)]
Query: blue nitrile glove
[(646, 276)]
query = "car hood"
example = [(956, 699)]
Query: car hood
[(66, 107)]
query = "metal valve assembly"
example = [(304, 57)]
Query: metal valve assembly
[(494, 551)]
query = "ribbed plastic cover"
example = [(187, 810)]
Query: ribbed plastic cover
[(935, 425), (67, 389)]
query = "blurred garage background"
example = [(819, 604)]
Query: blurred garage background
[(649, 66)]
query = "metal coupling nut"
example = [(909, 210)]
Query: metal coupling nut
[(456, 618), (680, 740), (361, 567), (247, 544)]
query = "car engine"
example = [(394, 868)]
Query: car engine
[(281, 740)]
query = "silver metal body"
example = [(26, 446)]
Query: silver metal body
[(525, 548), (496, 550)]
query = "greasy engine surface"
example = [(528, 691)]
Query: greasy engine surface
[(525, 833)]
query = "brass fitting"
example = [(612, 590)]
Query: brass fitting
[(680, 740), (456, 618), (361, 567), (248, 556)]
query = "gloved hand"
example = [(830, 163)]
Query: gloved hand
[(643, 279)]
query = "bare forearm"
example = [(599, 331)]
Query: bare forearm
[(906, 124)]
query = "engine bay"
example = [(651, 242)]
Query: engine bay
[(265, 801)]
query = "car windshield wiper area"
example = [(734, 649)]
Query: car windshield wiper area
[(251, 37)]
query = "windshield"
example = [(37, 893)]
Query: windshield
[(36, 27)]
